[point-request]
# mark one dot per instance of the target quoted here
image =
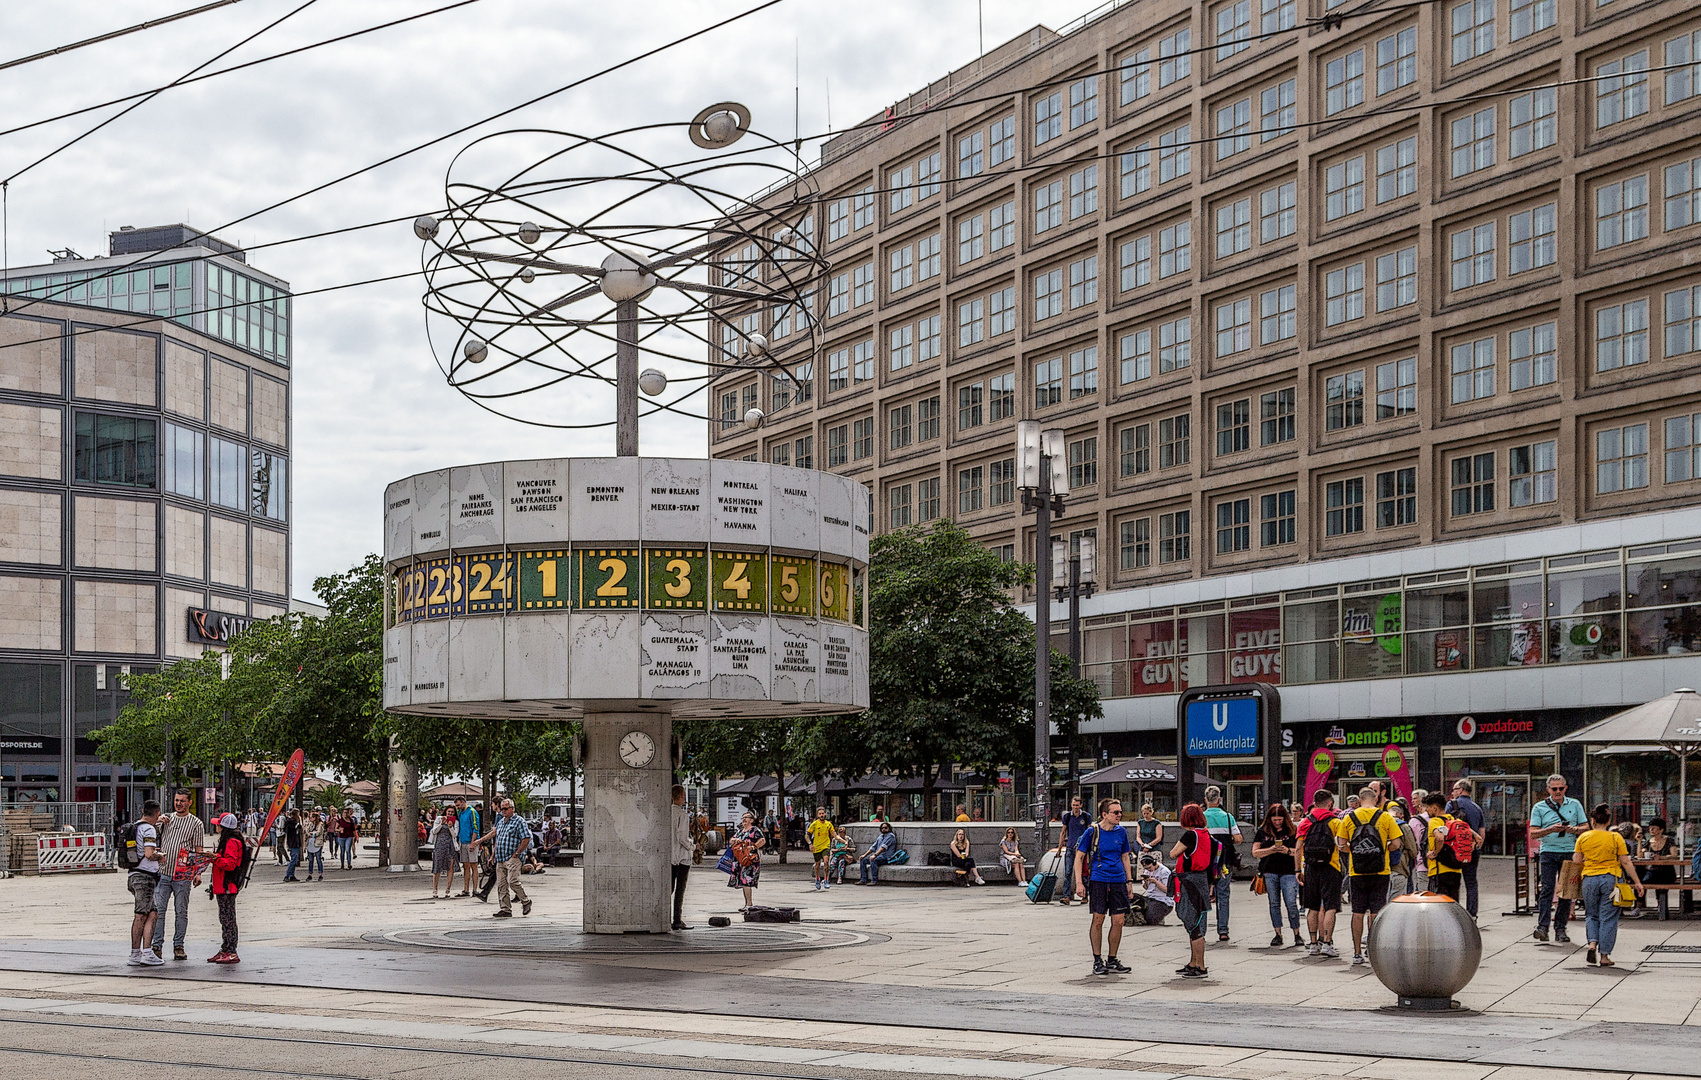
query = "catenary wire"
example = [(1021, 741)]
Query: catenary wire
[(111, 34)]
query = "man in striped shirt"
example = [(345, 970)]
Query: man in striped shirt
[(179, 831), (510, 836)]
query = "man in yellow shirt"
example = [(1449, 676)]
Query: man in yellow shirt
[(1444, 877), (1368, 834), (962, 812), (821, 846)]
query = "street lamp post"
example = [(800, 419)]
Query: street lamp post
[(1075, 576), (1043, 475)]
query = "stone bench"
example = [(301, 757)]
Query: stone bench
[(913, 874)]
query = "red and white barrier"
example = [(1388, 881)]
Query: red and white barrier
[(70, 851)]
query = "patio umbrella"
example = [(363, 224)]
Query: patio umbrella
[(457, 790), (1672, 722), (362, 790), (1139, 771)]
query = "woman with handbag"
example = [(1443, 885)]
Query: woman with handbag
[(1602, 854), (1273, 846), (742, 860)]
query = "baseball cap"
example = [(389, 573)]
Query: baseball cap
[(227, 821)]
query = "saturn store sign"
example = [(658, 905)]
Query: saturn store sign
[(214, 627)]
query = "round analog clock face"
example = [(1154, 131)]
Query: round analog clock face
[(637, 749)]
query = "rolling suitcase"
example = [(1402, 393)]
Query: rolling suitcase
[(1041, 886)]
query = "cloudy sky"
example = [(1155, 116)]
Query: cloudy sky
[(370, 403)]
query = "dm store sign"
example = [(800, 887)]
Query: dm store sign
[(1228, 726)]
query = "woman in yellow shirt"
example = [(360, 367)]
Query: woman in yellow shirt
[(1603, 853)]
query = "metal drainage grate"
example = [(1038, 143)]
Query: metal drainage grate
[(1671, 948)]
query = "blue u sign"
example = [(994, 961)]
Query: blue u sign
[(1221, 727)]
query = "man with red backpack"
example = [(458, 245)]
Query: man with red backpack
[(1451, 846), (1319, 871), (1198, 861)]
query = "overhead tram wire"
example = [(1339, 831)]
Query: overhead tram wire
[(60, 50), (664, 47)]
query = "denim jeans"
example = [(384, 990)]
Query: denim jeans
[(1547, 875), (1280, 889), (1066, 876), (1601, 923), (870, 867), (1221, 891), (178, 893), (316, 859), (294, 861), (345, 851), (1471, 885)]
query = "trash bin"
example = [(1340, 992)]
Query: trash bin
[(1425, 948)]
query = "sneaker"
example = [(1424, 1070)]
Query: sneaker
[(1328, 949), (177, 953), (218, 957), (1358, 959), (1540, 933), (1194, 973), (229, 958), (1590, 957), (1117, 967), (1312, 949), (135, 957), (1099, 968), (1276, 942), (816, 885), (1184, 970), (1562, 937), (148, 959), (525, 907), (825, 885), (502, 915)]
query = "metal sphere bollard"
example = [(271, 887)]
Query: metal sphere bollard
[(1425, 948)]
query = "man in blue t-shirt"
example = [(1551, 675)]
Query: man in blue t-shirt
[(1075, 823), (1466, 809), (1104, 876), (466, 823), (1556, 821), (1226, 831)]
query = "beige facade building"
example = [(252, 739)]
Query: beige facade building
[(1375, 337), (144, 445)]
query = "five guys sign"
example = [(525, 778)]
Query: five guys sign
[(215, 628)]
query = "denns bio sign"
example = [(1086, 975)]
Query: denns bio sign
[(1222, 727)]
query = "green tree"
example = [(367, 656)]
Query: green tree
[(754, 746)]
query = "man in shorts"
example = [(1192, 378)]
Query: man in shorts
[(821, 847), (1369, 835), (1319, 871), (1443, 879), (141, 883), (1104, 876), (466, 821)]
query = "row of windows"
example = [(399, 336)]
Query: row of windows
[(128, 451)]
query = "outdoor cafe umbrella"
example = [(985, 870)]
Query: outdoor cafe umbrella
[(1139, 771), (1672, 722)]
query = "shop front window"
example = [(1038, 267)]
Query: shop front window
[(1152, 657), (1508, 613), (1200, 647), (1440, 616)]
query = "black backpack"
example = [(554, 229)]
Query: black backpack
[(1320, 842), (1370, 854), (129, 848)]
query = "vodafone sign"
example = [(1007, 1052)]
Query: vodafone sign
[(1468, 728)]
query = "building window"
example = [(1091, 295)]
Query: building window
[(1083, 464), (969, 406), (838, 295), (1621, 335), (1621, 458), (118, 450), (1083, 192), (1006, 552), (862, 285), (862, 438), (1001, 226), (1276, 314), (1396, 279), (1343, 185), (1234, 326), (838, 219), (1344, 401), (1136, 356), (1533, 120), (1473, 256), (1534, 357), (1396, 60), (1001, 397), (1234, 426), (1083, 101), (1234, 526), (185, 461), (1277, 110), (1048, 294), (838, 373), (1532, 234), (1175, 344), (903, 267), (1234, 227), (1343, 507), (900, 496), (1048, 118), (927, 338), (1175, 441), (1276, 212), (1683, 81), (1234, 128), (927, 419), (900, 192), (903, 347), (1396, 170), (1175, 57), (1084, 282), (1396, 498), (1621, 89), (1135, 168), (1275, 417), (1001, 141), (1473, 30), (971, 155), (1621, 212), (1533, 473), (1001, 482), (862, 361), (1473, 484), (838, 449), (1136, 70), (927, 176), (1048, 206), (1529, 16), (1396, 388), (1135, 450), (1683, 194), (969, 489), (971, 238), (1083, 372), (1048, 382), (1175, 249), (1683, 448), (927, 257), (1234, 28), (862, 209), (1473, 370), (729, 410), (1343, 80), (900, 427), (1276, 519), (1001, 312), (1473, 142), (1344, 291), (1277, 15), (927, 500), (228, 484), (780, 453), (1136, 263), (1135, 549), (1175, 153), (1175, 537), (1683, 321), (971, 323)]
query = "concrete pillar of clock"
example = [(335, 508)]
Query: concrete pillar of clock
[(404, 815), (628, 825)]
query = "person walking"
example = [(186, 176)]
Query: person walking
[(230, 858), (821, 848), (1603, 853), (1010, 857), (1657, 844), (179, 831), (1198, 857), (509, 838), (747, 844), (316, 835), (684, 850), (1319, 870), (1466, 809), (1075, 823), (1226, 832), (292, 841), (345, 843), (878, 854), (1105, 872), (1274, 846), (467, 831), (444, 848), (143, 882), (1556, 821), (1369, 836)]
